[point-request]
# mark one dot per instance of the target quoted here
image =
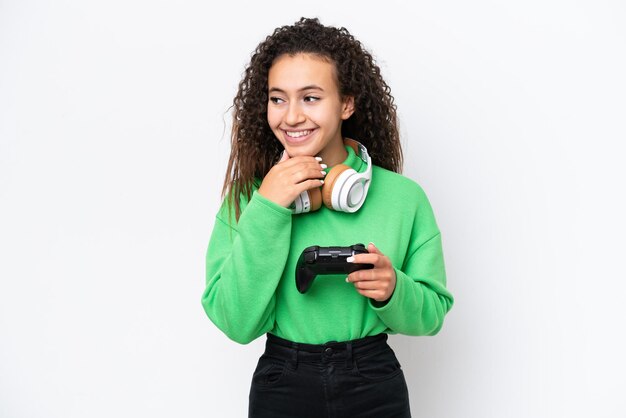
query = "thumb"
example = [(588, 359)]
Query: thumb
[(373, 249), (283, 157)]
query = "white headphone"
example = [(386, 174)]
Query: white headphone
[(344, 188)]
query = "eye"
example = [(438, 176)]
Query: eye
[(311, 98), (276, 100)]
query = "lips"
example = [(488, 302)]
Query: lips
[(299, 136)]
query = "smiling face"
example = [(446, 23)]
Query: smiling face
[(305, 109)]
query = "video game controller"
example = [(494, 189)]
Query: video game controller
[(326, 260)]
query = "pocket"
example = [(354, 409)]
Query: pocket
[(269, 371), (378, 366)]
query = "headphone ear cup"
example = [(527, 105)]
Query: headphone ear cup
[(329, 182), (315, 197)]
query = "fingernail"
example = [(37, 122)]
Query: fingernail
[(347, 280), (350, 259), (373, 244), (323, 173), (322, 181), (318, 158), (323, 165)]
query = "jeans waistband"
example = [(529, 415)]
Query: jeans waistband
[(331, 351), (319, 348)]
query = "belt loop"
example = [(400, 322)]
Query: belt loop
[(349, 361), (294, 355)]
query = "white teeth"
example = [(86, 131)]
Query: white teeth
[(297, 134)]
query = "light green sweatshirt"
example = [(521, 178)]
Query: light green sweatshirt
[(250, 267)]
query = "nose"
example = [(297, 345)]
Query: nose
[(294, 114)]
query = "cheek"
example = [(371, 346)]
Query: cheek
[(324, 116), (273, 117)]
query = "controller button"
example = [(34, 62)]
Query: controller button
[(309, 258)]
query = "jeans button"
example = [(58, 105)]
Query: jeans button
[(328, 351)]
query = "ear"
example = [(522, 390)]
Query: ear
[(347, 107)]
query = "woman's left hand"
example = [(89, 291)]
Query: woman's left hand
[(377, 283)]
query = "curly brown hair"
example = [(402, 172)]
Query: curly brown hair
[(254, 148)]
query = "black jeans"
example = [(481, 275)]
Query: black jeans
[(358, 378)]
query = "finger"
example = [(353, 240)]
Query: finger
[(307, 174), (367, 285), (365, 275), (301, 159), (310, 184), (373, 249), (376, 259), (377, 295), (297, 169)]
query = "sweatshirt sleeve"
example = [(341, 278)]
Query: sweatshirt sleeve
[(244, 264), (420, 300)]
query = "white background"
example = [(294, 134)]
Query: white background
[(114, 137)]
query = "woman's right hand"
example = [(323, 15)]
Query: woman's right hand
[(290, 177)]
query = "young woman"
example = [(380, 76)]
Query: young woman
[(314, 162)]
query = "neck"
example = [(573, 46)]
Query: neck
[(334, 154)]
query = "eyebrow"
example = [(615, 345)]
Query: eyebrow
[(309, 87)]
